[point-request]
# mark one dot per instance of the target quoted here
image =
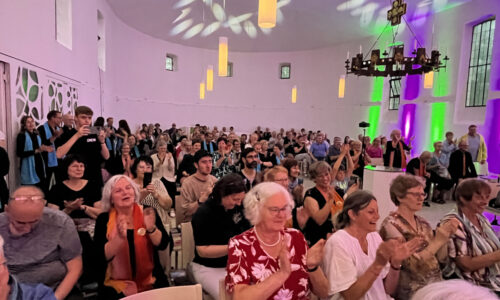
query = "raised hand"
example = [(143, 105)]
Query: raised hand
[(83, 131), (284, 259), (401, 251), (102, 136), (149, 218), (122, 226), (446, 229), (315, 254), (384, 252)]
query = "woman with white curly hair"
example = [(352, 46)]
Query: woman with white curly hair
[(270, 261), (127, 238)]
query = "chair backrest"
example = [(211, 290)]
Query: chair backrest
[(187, 244), (185, 292)]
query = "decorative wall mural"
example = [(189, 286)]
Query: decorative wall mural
[(61, 96), (28, 95), (35, 99)]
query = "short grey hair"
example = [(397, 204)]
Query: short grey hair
[(452, 289), (318, 168), (161, 143), (108, 189), (257, 197)]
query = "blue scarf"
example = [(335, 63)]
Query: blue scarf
[(28, 171), (136, 151), (279, 158), (51, 156), (108, 144), (211, 147)]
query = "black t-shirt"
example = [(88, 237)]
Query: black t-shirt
[(314, 232), (213, 225), (301, 151), (61, 192), (89, 148)]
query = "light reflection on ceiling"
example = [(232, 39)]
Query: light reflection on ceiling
[(219, 18), (315, 23)]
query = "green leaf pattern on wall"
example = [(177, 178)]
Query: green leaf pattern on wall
[(28, 95), (61, 96), (32, 98)]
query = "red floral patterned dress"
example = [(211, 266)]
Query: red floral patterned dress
[(249, 264)]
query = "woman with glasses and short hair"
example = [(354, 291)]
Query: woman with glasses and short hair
[(407, 193), (474, 249), (218, 219), (270, 261)]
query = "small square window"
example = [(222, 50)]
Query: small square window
[(229, 69), (169, 62), (285, 71)]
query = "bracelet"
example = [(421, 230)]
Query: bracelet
[(152, 231), (312, 270)]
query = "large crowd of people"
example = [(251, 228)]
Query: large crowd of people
[(96, 205)]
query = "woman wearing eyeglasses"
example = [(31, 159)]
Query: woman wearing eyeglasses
[(319, 202), (218, 219), (270, 261), (407, 193), (474, 249)]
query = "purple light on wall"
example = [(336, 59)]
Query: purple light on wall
[(492, 134), (407, 121), (412, 88)]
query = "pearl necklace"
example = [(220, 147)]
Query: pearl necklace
[(265, 244)]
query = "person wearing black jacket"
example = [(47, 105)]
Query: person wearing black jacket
[(461, 164)]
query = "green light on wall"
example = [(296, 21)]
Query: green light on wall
[(438, 116), (441, 84), (373, 118)]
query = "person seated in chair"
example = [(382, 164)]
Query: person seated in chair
[(216, 221), (128, 237), (43, 245)]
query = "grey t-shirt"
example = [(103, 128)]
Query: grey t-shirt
[(40, 256), (474, 146)]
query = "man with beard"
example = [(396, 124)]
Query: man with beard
[(196, 188), (249, 173)]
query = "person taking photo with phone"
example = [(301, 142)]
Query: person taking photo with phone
[(91, 146), (152, 191)]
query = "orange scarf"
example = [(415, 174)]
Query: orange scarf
[(422, 169), (338, 203), (119, 272), (403, 155)]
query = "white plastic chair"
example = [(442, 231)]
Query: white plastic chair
[(186, 292)]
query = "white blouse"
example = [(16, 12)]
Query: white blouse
[(165, 169), (344, 262)]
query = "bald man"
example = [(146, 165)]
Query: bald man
[(461, 163), (41, 244)]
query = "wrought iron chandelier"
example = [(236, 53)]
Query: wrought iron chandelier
[(396, 64)]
